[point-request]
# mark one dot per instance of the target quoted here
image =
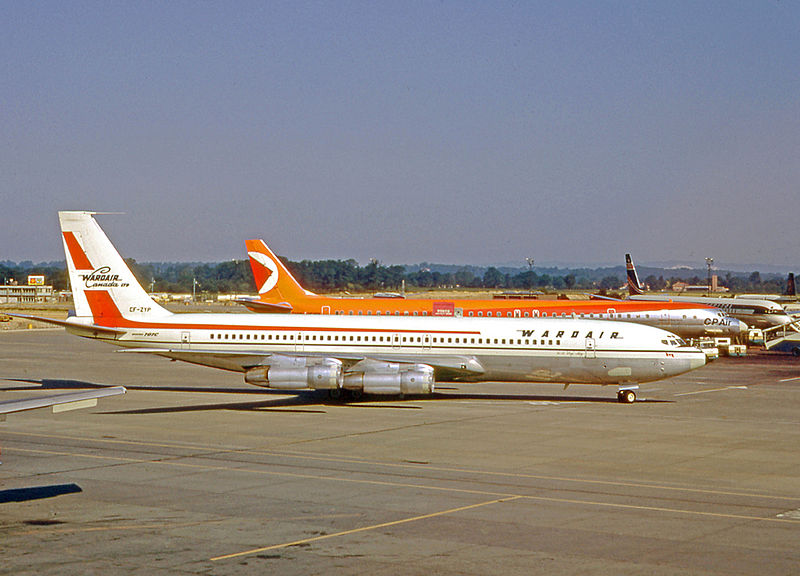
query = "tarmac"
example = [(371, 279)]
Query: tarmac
[(195, 472)]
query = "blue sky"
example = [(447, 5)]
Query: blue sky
[(458, 132)]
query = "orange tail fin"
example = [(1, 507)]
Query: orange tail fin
[(273, 279)]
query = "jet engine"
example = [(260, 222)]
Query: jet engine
[(391, 378), (326, 375)]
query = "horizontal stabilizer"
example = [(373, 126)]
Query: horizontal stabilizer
[(61, 402), (260, 306), (72, 326)]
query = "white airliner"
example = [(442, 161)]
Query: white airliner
[(375, 355), (754, 312)]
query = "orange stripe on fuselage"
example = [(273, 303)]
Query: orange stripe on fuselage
[(79, 258)]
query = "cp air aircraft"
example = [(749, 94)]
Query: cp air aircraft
[(757, 313), (377, 355), (280, 292)]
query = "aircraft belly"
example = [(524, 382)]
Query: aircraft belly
[(581, 370)]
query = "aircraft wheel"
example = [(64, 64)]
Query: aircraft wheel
[(355, 394), (626, 396), (795, 351), (335, 393)]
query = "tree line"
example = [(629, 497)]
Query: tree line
[(235, 276)]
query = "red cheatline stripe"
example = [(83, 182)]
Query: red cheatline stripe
[(77, 254)]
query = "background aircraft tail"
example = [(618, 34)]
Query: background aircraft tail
[(634, 286), (790, 289), (273, 279), (102, 284)]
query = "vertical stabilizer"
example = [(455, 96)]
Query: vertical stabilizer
[(102, 284), (273, 279), (634, 286), (790, 289)]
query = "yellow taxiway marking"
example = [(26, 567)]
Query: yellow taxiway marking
[(713, 390), (363, 529)]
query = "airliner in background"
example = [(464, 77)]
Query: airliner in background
[(358, 354), (788, 296), (279, 291), (757, 313)]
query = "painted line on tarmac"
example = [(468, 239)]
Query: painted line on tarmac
[(394, 484), (211, 452), (713, 390), (363, 529), (789, 379)]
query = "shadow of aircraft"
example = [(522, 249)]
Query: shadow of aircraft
[(37, 492), (311, 401)]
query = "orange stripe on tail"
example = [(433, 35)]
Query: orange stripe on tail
[(79, 258), (102, 305)]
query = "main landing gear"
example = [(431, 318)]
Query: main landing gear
[(627, 394), (345, 394)]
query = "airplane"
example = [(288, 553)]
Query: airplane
[(789, 295), (756, 313), (59, 402), (357, 354), (279, 291)]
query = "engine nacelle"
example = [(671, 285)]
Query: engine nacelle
[(324, 376), (394, 379)]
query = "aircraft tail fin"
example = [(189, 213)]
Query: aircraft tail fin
[(790, 289), (102, 284), (273, 279), (634, 286)]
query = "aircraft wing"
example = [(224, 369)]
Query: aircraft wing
[(60, 402), (601, 297), (79, 329), (456, 365), (257, 305)]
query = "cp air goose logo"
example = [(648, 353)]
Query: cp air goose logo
[(271, 271)]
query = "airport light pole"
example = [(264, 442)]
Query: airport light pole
[(530, 273), (709, 263)]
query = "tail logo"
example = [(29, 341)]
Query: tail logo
[(270, 271), (102, 278)]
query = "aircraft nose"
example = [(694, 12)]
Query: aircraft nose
[(741, 327), (697, 361)]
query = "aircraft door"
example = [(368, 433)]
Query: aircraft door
[(298, 342), (186, 340), (395, 341), (517, 313), (426, 342), (591, 348), (326, 309)]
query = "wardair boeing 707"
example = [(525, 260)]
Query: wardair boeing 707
[(376, 354)]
